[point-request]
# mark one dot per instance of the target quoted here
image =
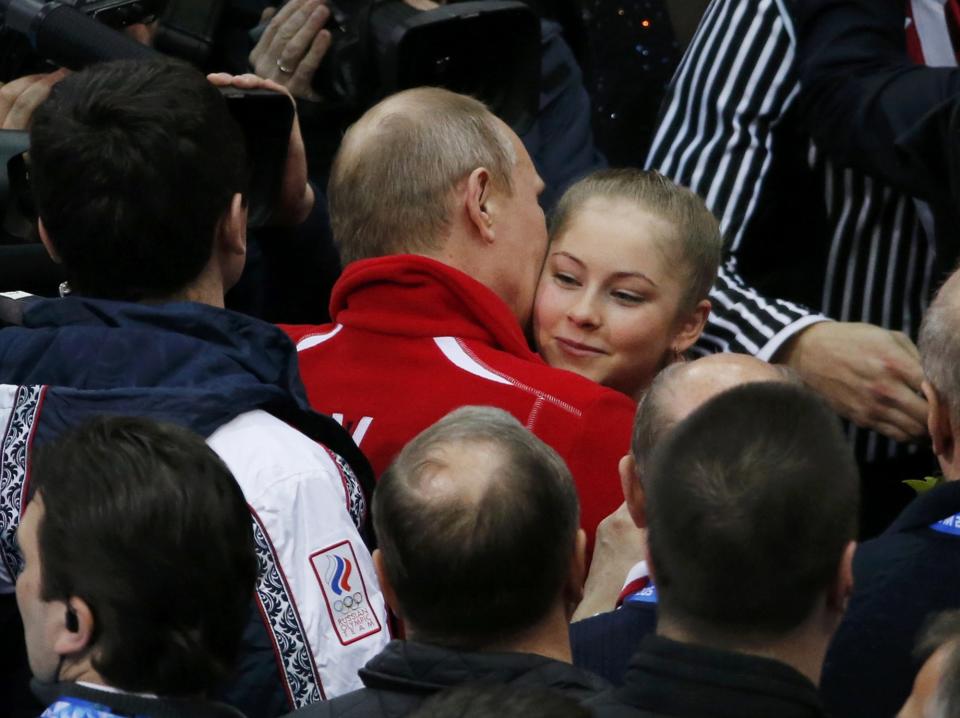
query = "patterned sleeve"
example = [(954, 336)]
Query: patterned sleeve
[(734, 84)]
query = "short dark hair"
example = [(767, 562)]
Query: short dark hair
[(146, 524), (493, 700), (471, 573), (133, 164), (751, 502)]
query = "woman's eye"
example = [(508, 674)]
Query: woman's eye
[(566, 279), (628, 297)]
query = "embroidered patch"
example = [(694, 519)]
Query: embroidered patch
[(345, 593)]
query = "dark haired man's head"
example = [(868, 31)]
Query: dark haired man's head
[(483, 700), (936, 688), (138, 560), (137, 169), (675, 393), (751, 507), (477, 522)]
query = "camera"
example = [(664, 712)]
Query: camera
[(489, 49), (119, 13)]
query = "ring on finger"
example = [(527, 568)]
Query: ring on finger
[(285, 70)]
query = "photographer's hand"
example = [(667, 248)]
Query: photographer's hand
[(20, 97), (296, 195), (293, 45)]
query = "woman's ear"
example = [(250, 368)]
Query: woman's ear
[(690, 326)]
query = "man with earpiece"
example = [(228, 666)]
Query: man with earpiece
[(123, 616)]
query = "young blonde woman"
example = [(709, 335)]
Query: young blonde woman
[(624, 288)]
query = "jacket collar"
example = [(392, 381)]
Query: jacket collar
[(932, 506), (410, 295), (131, 704), (181, 362), (671, 678), (414, 667)]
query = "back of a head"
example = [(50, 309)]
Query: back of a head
[(133, 164), (392, 183), (476, 556), (939, 343), (751, 503), (936, 690), (148, 526), (681, 388)]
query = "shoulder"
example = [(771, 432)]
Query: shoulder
[(299, 332), (362, 703), (264, 452)]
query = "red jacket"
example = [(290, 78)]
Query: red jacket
[(414, 339)]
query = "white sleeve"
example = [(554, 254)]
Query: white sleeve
[(317, 589)]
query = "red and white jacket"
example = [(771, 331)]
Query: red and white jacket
[(413, 339)]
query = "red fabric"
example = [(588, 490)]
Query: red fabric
[(638, 584), (914, 46), (384, 364)]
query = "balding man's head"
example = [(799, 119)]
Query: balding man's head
[(392, 184), (680, 389), (940, 344), (477, 522)]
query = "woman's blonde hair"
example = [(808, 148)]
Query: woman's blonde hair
[(698, 245)]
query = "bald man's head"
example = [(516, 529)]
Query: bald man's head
[(392, 184), (681, 389), (477, 523), (939, 344)]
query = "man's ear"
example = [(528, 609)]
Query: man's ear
[(690, 325), (76, 634), (478, 191), (842, 587), (939, 424), (46, 242), (232, 231), (633, 492), (389, 595)]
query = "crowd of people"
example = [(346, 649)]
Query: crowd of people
[(570, 463)]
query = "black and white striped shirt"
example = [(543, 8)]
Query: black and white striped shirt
[(857, 250)]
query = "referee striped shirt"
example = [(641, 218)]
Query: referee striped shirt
[(723, 114)]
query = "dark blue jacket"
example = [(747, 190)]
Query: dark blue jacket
[(190, 364), (605, 643), (902, 577)]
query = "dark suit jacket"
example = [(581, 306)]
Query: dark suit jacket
[(901, 578)]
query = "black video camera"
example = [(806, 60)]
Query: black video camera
[(489, 49), (119, 13)]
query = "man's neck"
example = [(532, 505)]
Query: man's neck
[(204, 290), (802, 650), (550, 639)]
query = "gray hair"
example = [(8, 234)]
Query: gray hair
[(942, 630), (391, 186), (939, 343)]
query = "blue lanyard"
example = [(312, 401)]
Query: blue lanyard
[(647, 594), (949, 525)]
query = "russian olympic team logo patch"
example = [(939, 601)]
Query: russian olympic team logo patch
[(345, 593)]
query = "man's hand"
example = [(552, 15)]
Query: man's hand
[(296, 195), (293, 45), (869, 375), (20, 97), (620, 545)]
